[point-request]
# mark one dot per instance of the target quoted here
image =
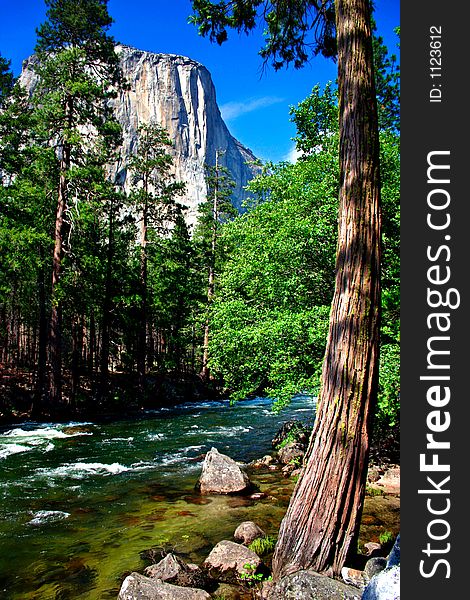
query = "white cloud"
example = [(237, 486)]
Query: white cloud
[(232, 110), (293, 155)]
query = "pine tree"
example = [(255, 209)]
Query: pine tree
[(7, 79), (215, 210), (154, 199), (76, 66)]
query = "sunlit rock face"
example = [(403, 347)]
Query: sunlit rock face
[(177, 93)]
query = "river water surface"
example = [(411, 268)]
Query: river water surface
[(81, 502)]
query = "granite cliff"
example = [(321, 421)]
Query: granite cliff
[(178, 93)]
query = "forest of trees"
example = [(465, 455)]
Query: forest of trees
[(102, 293)]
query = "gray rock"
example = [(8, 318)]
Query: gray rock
[(373, 548), (229, 591), (374, 565), (294, 430), (354, 577), (172, 569), (227, 562), (384, 586), (221, 475), (308, 585), (292, 454), (247, 532), (137, 587)]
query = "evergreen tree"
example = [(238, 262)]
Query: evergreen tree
[(175, 293), (28, 172), (76, 67), (7, 79), (215, 210), (154, 198)]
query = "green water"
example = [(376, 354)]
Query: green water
[(82, 502)]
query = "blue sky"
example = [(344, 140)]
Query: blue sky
[(254, 104)]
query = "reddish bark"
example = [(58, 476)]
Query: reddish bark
[(321, 525)]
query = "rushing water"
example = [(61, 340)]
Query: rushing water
[(80, 502)]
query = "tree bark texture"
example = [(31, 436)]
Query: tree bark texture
[(55, 341), (142, 334), (205, 373), (107, 302), (321, 526), (40, 387)]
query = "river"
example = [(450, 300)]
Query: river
[(81, 502)]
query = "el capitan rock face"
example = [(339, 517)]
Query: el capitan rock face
[(177, 93)]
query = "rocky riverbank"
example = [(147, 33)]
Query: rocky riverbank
[(239, 568)]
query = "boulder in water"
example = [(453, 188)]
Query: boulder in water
[(247, 532), (172, 569), (232, 563), (221, 475)]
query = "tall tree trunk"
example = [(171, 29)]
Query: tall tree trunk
[(321, 526), (55, 340), (75, 364), (105, 325), (142, 334), (40, 389), (205, 374), (92, 345)]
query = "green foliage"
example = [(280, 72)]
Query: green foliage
[(154, 189), (250, 576), (270, 316), (388, 407), (77, 23), (263, 545), (7, 79), (292, 435), (386, 537), (294, 30), (316, 120), (387, 83), (216, 209), (373, 491), (175, 290), (269, 320)]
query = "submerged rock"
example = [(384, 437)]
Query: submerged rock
[(137, 587), (229, 591), (232, 563), (222, 475)]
